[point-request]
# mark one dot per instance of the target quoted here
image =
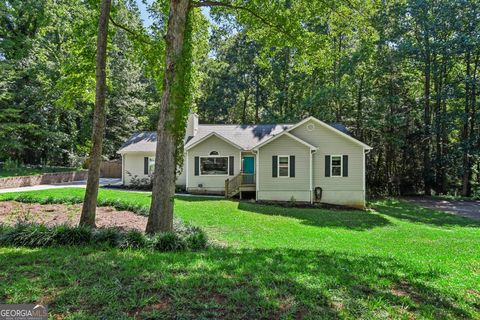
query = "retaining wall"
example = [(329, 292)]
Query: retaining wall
[(46, 178)]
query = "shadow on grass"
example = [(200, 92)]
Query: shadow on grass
[(348, 219), (193, 198), (222, 283), (414, 213)]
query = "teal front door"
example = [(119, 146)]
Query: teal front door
[(248, 164), (248, 170)]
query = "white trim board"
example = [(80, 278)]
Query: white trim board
[(329, 127), (209, 136), (275, 137)]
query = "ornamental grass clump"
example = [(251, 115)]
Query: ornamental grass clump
[(186, 237)]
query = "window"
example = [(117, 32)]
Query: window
[(214, 166), (214, 153), (151, 165), (336, 166), (283, 166)]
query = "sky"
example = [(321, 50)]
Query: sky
[(147, 21)]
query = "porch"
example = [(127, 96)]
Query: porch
[(242, 182)]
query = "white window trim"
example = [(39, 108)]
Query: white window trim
[(278, 166), (214, 175), (341, 165)]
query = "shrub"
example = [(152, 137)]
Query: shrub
[(29, 235), (143, 183), (108, 236), (185, 237), (134, 239), (168, 241), (197, 239), (70, 236)]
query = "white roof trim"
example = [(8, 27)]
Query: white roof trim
[(288, 135), (323, 124), (134, 151), (213, 133)]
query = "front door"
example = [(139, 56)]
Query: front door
[(248, 170)]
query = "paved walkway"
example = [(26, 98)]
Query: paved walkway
[(470, 209), (77, 184)]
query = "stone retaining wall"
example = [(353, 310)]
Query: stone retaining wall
[(46, 178)]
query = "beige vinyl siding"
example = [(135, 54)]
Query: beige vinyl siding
[(283, 188), (336, 190), (133, 165), (210, 183)]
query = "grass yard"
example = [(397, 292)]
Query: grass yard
[(32, 171), (396, 261)]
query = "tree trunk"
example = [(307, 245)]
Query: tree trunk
[(161, 211), (360, 109), (245, 104), (438, 88), (257, 95), (91, 193), (465, 132), (427, 176)]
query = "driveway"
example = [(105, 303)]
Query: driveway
[(78, 184), (470, 209)]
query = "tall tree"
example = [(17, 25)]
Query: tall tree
[(171, 121), (90, 201)]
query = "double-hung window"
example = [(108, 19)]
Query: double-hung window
[(283, 166), (336, 166)]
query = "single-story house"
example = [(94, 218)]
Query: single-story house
[(309, 161)]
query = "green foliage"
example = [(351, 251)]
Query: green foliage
[(168, 241), (134, 239), (107, 236), (48, 81), (39, 235), (72, 236)]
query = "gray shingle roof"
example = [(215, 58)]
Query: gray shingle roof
[(245, 136), (140, 142)]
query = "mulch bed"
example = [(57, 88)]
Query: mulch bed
[(12, 212)]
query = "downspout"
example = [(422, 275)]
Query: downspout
[(365, 151), (257, 175), (312, 151), (123, 169), (186, 171)]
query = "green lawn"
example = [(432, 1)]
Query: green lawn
[(32, 171), (395, 261)]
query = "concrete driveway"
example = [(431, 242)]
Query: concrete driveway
[(78, 184), (470, 209)]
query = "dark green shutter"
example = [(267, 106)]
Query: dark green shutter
[(231, 165), (345, 166), (197, 166), (145, 165), (274, 166), (292, 166), (327, 166)]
